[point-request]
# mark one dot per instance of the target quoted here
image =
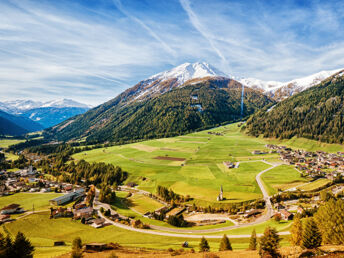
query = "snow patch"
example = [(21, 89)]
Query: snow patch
[(188, 71)]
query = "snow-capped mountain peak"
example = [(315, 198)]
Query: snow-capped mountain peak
[(20, 105), (281, 90), (176, 77), (189, 71), (60, 103)]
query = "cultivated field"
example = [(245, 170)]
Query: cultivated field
[(282, 177), (193, 164)]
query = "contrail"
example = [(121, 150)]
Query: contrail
[(150, 31), (197, 24)]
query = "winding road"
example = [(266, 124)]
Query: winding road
[(189, 233)]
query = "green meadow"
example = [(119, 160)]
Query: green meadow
[(43, 231), (193, 164), (4, 143), (315, 185), (38, 201), (282, 177)]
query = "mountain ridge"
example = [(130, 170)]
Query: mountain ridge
[(315, 113)]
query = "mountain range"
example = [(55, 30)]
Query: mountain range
[(184, 99), (189, 97), (46, 114), (283, 90)]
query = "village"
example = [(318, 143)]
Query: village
[(312, 164), (81, 203)]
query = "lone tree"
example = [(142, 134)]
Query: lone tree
[(77, 248), (203, 245), (296, 232), (253, 240), (269, 243), (311, 237), (225, 244)]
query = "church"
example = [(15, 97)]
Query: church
[(220, 197)]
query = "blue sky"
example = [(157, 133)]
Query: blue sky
[(91, 51)]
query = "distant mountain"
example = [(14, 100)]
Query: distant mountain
[(16, 125), (282, 90), (187, 98), (315, 113), (50, 116), (48, 113)]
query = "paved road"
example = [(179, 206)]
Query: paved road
[(189, 233)]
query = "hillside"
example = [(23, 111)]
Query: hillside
[(316, 113), (198, 105), (16, 125), (9, 128)]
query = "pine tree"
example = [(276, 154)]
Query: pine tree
[(253, 240), (269, 243), (330, 221), (22, 247), (296, 232), (225, 244), (203, 245), (311, 237)]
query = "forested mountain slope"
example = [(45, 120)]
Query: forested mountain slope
[(316, 113), (198, 105), (26, 124), (9, 128)]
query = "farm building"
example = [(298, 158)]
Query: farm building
[(67, 197), (11, 209)]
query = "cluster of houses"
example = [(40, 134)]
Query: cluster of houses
[(7, 211), (313, 164), (79, 211), (29, 180)]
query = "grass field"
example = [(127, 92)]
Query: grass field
[(4, 143), (315, 185), (282, 177), (27, 200), (307, 144), (201, 174), (143, 204), (43, 231)]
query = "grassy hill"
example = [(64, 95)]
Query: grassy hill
[(196, 106), (316, 113)]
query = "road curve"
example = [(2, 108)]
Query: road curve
[(189, 233)]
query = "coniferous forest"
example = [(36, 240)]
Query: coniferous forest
[(317, 113)]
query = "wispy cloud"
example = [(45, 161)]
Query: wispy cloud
[(198, 25), (92, 51), (120, 7)]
